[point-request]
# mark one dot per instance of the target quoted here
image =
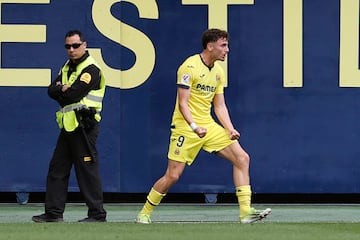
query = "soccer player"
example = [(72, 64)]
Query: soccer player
[(200, 85)]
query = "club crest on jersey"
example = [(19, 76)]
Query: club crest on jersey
[(218, 78), (185, 79)]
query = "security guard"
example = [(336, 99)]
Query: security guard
[(79, 90)]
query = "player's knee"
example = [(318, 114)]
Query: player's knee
[(172, 177), (244, 159)]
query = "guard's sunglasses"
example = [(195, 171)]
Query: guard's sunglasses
[(74, 45)]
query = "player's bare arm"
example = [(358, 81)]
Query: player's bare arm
[(222, 114), (184, 96)]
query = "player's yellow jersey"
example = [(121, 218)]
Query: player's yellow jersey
[(204, 83)]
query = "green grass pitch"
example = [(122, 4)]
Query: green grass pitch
[(189, 222)]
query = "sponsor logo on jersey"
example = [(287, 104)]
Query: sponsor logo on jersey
[(206, 88)]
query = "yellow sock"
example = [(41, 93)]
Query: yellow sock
[(243, 194), (153, 199)]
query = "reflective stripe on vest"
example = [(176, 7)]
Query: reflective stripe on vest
[(72, 108), (79, 106), (94, 98)]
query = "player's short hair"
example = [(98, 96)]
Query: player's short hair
[(212, 35), (75, 32)]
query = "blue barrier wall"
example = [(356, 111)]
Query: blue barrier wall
[(293, 90)]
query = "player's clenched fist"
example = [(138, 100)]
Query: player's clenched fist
[(200, 131)]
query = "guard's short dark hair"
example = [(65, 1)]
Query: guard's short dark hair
[(212, 35), (75, 32)]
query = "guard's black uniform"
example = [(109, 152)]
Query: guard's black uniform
[(72, 149)]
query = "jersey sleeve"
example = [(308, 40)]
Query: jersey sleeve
[(184, 76), (220, 78)]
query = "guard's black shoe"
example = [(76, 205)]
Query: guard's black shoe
[(91, 219), (46, 218)]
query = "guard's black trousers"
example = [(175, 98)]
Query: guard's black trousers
[(72, 149)]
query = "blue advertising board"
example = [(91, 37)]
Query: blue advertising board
[(293, 79)]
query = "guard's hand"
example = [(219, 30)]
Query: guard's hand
[(200, 131), (234, 134), (65, 87)]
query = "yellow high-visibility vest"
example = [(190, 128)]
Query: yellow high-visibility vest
[(66, 117)]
